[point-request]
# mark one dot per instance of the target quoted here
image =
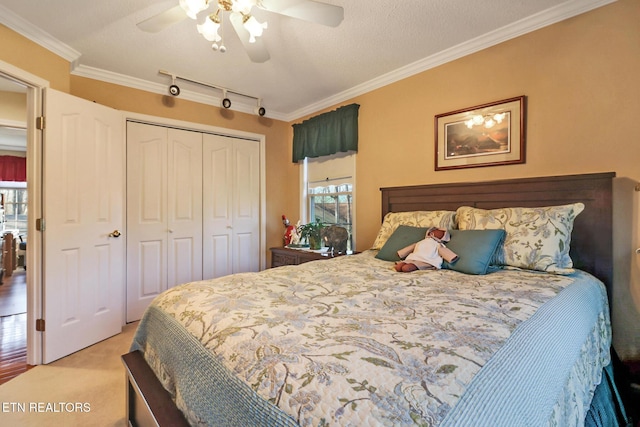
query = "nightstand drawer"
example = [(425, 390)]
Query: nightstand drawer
[(279, 259)]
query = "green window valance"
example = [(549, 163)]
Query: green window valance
[(327, 133)]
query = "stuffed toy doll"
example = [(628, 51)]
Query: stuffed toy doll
[(427, 253)]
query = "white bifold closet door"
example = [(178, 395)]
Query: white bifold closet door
[(193, 209), (164, 212), (231, 206)]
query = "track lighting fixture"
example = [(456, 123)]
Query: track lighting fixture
[(174, 89), (260, 109), (226, 102)]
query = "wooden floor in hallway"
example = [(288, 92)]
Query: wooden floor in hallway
[(13, 326)]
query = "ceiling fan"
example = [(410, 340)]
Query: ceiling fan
[(243, 22)]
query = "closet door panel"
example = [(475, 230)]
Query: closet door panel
[(244, 260), (184, 253), (151, 268), (246, 213), (184, 195), (217, 205), (219, 261), (146, 216)]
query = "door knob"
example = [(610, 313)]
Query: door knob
[(114, 233)]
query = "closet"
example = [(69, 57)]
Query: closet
[(192, 209)]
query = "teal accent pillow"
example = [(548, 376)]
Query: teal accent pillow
[(402, 237), (475, 249)]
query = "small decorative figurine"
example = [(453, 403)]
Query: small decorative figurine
[(290, 231)]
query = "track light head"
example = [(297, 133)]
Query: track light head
[(226, 102), (259, 110), (174, 90)]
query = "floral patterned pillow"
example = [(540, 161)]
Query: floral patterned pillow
[(536, 238), (442, 219)]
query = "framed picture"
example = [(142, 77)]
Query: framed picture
[(486, 135)]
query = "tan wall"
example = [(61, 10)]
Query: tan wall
[(13, 106), (581, 80), (28, 56), (583, 100)]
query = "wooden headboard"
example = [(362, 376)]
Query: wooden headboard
[(591, 240)]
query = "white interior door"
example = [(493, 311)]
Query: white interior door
[(231, 206), (164, 212), (184, 206), (83, 206), (217, 176), (146, 216), (246, 212)]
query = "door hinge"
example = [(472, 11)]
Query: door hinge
[(40, 325), (40, 123), (40, 224)]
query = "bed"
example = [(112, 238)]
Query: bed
[(349, 341)]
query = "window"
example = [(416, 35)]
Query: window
[(328, 189), (15, 209)]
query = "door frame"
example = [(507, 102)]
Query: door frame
[(35, 88), (233, 133)]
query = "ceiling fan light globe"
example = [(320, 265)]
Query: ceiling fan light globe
[(215, 47), (223, 49), (193, 7), (254, 28), (209, 30), (243, 6)]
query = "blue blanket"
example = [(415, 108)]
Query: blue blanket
[(521, 384), (207, 391)]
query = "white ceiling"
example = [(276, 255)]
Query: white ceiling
[(311, 66)]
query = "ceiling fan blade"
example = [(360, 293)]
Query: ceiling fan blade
[(162, 20), (257, 51), (308, 10)]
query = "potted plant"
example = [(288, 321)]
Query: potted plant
[(311, 232)]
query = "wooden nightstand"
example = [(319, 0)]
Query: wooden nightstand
[(286, 256)]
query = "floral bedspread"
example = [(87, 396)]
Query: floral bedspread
[(351, 342)]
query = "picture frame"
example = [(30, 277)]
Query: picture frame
[(491, 134)]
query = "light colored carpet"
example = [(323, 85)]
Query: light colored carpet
[(86, 388)]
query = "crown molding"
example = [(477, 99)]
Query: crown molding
[(36, 35), (545, 18), (532, 23)]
